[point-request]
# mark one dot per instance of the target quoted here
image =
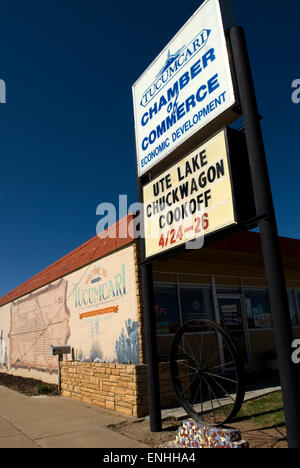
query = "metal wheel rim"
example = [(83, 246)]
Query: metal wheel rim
[(213, 383)]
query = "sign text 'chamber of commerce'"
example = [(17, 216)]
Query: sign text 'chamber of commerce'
[(186, 87)]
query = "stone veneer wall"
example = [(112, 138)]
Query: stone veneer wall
[(118, 387)]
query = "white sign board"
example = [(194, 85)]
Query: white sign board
[(193, 198), (184, 89)]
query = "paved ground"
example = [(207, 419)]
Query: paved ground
[(56, 422)]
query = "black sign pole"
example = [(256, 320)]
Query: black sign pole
[(59, 360), (150, 330), (151, 350), (269, 237)]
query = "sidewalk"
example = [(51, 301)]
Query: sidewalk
[(56, 422)]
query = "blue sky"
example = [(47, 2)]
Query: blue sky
[(66, 131)]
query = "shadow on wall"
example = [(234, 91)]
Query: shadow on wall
[(127, 347)]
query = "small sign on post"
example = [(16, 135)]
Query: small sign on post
[(59, 351)]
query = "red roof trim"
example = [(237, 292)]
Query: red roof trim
[(116, 237), (96, 248)]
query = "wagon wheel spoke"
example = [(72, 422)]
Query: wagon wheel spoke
[(201, 347), (223, 389), (201, 398), (214, 395), (185, 375), (185, 352), (211, 400), (191, 351), (223, 365), (221, 377), (198, 388), (217, 352)]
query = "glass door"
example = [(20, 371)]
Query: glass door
[(231, 316)]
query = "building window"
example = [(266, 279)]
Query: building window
[(293, 308), (196, 303), (296, 316), (166, 310), (258, 309)]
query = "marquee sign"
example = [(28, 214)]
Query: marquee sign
[(186, 88), (207, 191)]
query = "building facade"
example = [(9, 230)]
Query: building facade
[(91, 300)]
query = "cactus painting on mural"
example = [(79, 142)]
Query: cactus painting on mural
[(127, 346)]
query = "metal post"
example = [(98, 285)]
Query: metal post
[(150, 330), (59, 360), (269, 237), (151, 349)]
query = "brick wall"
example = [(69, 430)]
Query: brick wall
[(118, 387)]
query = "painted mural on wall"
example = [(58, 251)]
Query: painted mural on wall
[(93, 310), (37, 322), (127, 346), (105, 303)]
